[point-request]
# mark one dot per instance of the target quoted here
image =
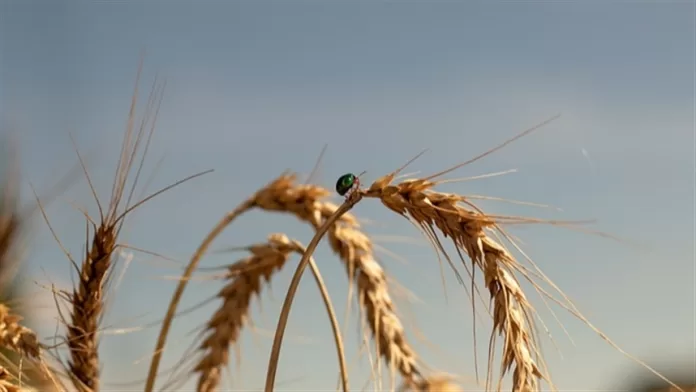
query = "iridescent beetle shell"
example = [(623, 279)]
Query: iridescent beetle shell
[(345, 183)]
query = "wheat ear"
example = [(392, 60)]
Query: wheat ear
[(23, 341), (9, 383), (245, 280), (17, 337), (306, 203), (512, 313), (6, 385), (9, 232), (435, 383), (355, 249), (87, 299)]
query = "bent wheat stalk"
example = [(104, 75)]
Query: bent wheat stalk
[(246, 277), (511, 313), (354, 247), (294, 284)]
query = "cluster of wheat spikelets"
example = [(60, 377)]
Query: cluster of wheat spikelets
[(245, 278), (437, 214), (354, 248), (512, 316)]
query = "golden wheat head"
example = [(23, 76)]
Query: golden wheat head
[(87, 299), (245, 279), (512, 313)]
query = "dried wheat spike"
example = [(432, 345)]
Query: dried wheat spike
[(17, 337), (433, 384), (8, 383), (245, 280), (355, 250), (87, 308), (512, 312), (9, 236), (5, 384), (88, 297)]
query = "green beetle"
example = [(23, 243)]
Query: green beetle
[(347, 184)]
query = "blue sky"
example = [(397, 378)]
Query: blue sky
[(254, 88)]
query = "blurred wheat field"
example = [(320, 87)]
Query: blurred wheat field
[(498, 277)]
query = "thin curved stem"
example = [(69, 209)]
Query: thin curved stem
[(334, 323), (176, 298), (295, 283)]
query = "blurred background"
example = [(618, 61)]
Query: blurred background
[(254, 88)]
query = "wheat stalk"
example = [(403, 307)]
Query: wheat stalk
[(470, 229), (354, 248), (429, 210), (87, 299), (512, 312), (245, 280), (9, 233)]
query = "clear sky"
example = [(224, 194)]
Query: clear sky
[(255, 88)]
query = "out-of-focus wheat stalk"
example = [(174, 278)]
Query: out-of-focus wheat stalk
[(14, 336), (17, 337), (9, 229), (435, 383), (23, 341), (245, 280), (6, 384)]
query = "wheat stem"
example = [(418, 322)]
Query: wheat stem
[(340, 348), (294, 284), (176, 297)]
